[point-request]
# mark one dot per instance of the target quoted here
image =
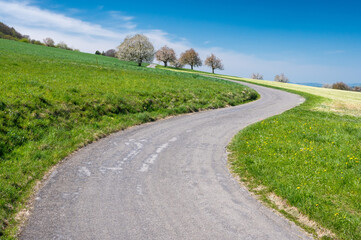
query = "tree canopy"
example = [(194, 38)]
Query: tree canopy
[(214, 63), (136, 48), (190, 57), (165, 55)]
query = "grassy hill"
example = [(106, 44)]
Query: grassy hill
[(306, 162), (53, 101)]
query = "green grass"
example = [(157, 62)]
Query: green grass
[(54, 101), (310, 156)]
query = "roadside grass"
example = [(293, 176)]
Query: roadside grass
[(311, 159), (54, 101), (306, 162)]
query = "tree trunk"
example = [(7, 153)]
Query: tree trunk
[(213, 70), (192, 67), (139, 63), (165, 64)]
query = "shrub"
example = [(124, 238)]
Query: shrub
[(257, 76), (341, 86), (281, 78), (25, 40)]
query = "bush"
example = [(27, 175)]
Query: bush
[(341, 86), (25, 40), (281, 78), (257, 76), (357, 88)]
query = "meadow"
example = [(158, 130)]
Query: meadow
[(54, 101), (306, 162)]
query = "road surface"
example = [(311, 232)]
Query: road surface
[(163, 180)]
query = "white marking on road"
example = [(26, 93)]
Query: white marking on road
[(144, 168), (161, 148), (151, 159), (84, 171), (188, 131), (139, 189), (114, 168)]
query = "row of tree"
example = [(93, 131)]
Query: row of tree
[(10, 33), (138, 48)]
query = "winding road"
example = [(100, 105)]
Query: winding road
[(163, 180)]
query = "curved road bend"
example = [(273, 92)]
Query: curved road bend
[(163, 180)]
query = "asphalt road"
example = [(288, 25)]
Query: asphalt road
[(163, 180)]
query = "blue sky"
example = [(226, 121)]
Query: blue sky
[(310, 41)]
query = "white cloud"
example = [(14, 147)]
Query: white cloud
[(119, 16), (89, 37), (23, 15)]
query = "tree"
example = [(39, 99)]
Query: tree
[(176, 63), (214, 63), (136, 48), (190, 57), (49, 42), (281, 78), (165, 55), (257, 76), (110, 53), (97, 52), (62, 45), (341, 86)]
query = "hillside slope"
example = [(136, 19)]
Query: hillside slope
[(54, 101)]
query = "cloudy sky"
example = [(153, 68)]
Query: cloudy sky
[(310, 41)]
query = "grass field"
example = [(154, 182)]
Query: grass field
[(306, 162), (54, 101)]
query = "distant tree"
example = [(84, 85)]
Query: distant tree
[(62, 45), (281, 78), (190, 57), (214, 62), (110, 53), (36, 42), (25, 40), (9, 32), (136, 48), (326, 85), (341, 86), (357, 88), (49, 42), (176, 63), (97, 52), (103, 53), (165, 55), (257, 76)]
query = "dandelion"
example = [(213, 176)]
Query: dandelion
[(336, 214), (298, 187)]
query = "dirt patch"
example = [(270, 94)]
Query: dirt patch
[(301, 218)]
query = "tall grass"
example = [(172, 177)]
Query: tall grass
[(54, 101)]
